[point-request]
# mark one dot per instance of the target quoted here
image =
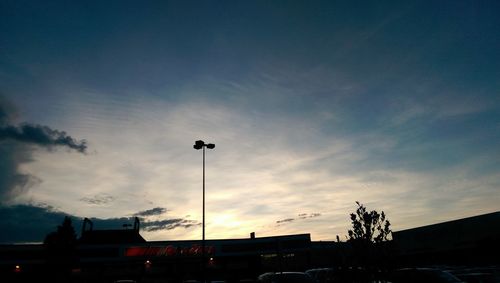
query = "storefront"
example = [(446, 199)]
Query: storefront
[(159, 261)]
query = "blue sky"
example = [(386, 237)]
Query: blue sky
[(312, 105)]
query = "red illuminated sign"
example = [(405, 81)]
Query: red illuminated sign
[(159, 251)]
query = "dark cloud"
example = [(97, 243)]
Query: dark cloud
[(31, 223), (151, 212), (169, 224), (42, 136), (12, 181), (16, 148), (98, 199), (149, 226), (165, 224)]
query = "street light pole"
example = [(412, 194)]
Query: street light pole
[(203, 221), (201, 145)]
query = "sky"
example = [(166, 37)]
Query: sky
[(311, 105)]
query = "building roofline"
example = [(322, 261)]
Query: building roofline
[(495, 214), (239, 239)]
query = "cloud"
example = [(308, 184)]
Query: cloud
[(300, 216), (164, 224), (30, 223), (16, 149), (98, 199), (308, 215), (12, 181), (148, 226), (285, 220), (41, 136), (151, 212), (169, 224)]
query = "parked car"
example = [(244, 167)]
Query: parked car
[(476, 277), (478, 274), (420, 275), (321, 275), (285, 277)]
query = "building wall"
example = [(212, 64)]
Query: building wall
[(469, 239)]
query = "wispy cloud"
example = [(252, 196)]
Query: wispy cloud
[(169, 224), (308, 215), (261, 169), (285, 220), (301, 216), (99, 199), (151, 212)]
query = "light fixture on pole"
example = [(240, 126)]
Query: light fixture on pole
[(201, 145)]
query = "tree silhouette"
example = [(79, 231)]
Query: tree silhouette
[(63, 238), (61, 248), (369, 238), (369, 226)]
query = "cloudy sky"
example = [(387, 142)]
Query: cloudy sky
[(312, 105)]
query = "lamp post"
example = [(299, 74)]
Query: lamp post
[(201, 145)]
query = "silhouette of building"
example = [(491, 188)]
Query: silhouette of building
[(90, 236), (107, 255), (237, 257), (471, 240)]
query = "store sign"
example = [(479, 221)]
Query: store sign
[(160, 251)]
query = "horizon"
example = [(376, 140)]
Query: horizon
[(78, 234)]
